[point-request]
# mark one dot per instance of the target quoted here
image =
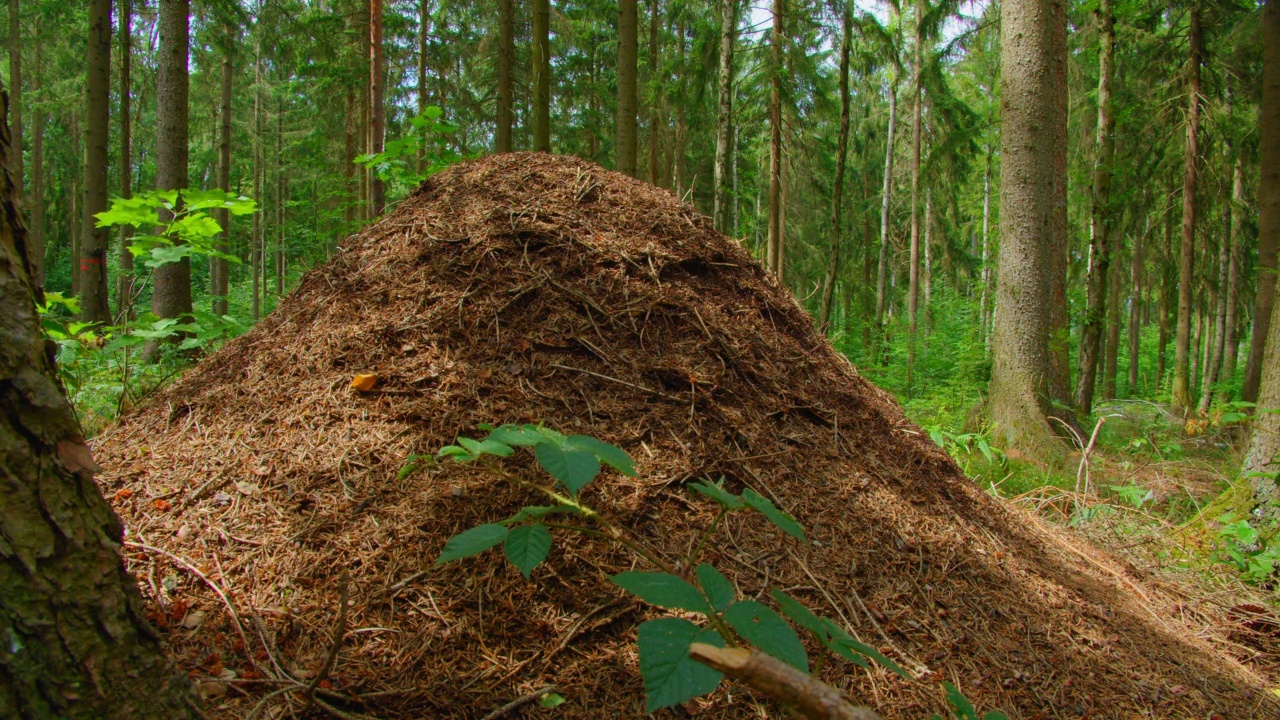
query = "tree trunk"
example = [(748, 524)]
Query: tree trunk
[(1218, 305), (1182, 356), (506, 60), (73, 217), (504, 46), (654, 92), (1111, 358), (627, 98), (1269, 207), (1231, 345), (279, 253), (1135, 306), (15, 107), (220, 279), (837, 187), (1032, 219), (983, 309), (773, 254), (77, 644), (172, 296), (913, 270), (255, 244), (542, 76), (377, 108), (1101, 220), (97, 110), (124, 287), (1264, 448), (348, 153), (724, 112)]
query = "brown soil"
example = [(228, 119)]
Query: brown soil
[(524, 288)]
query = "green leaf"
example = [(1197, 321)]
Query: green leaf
[(800, 615), (472, 542), (612, 456), (662, 589), (670, 675), (458, 453), (573, 468), (551, 701), (517, 436), (486, 447), (963, 708), (537, 512), (716, 586), (719, 494), (527, 546), (841, 639), (781, 520), (765, 629), (410, 466)]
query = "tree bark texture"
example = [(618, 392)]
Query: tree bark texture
[(94, 290), (506, 61), (377, 108), (15, 107), (1135, 307), (172, 296), (1100, 221), (1182, 342), (1218, 306), (1111, 355), (124, 287), (837, 186), (424, 26), (724, 112), (627, 95), (1231, 345), (654, 92), (542, 76), (219, 281), (1269, 208), (886, 200), (76, 642), (913, 270), (1032, 219)]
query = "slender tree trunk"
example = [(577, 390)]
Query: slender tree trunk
[(837, 186), (15, 105), (913, 270), (73, 217), (1135, 306), (124, 289), (255, 244), (1166, 290), (279, 173), (504, 45), (1032, 219), (172, 296), (38, 243), (77, 644), (1100, 225), (1218, 304), (655, 92), (506, 61), (724, 112), (542, 75), (220, 276), (1111, 358), (94, 290), (627, 100), (1264, 447), (774, 253), (1182, 356), (886, 198), (984, 311), (1231, 348), (348, 154), (377, 108)]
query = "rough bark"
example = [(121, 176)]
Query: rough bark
[(1218, 305), (724, 112), (913, 269), (424, 26), (15, 107), (1264, 447), (506, 60), (886, 199), (837, 186), (774, 252), (1231, 344), (984, 311), (77, 644), (1100, 221), (1111, 355), (255, 243), (1135, 306), (542, 76), (125, 289), (172, 296), (377, 108), (627, 97), (93, 251), (1268, 210), (220, 268), (1032, 219), (1182, 349), (654, 92)]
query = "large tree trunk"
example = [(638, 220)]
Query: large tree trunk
[(77, 644), (377, 108), (774, 252), (220, 285), (1032, 219), (724, 113), (1264, 448), (913, 270), (93, 252), (506, 61), (15, 109), (542, 76), (1182, 352), (1268, 200), (124, 285), (627, 99), (1101, 220), (172, 296), (837, 187)]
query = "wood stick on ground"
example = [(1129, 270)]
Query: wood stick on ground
[(519, 702), (339, 630), (813, 698)]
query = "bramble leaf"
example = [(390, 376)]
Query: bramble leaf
[(670, 675), (765, 629), (662, 589), (573, 468), (716, 586), (781, 520), (608, 454), (527, 546), (716, 492), (472, 542)]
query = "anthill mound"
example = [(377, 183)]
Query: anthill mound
[(533, 288)]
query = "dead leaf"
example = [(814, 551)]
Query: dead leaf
[(160, 504), (247, 488), (193, 619), (77, 457), (212, 690), (123, 494), (364, 382)]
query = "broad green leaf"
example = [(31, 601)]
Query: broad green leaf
[(670, 675), (719, 494), (612, 456), (527, 546), (516, 435), (472, 542), (963, 708), (765, 629), (486, 447), (662, 589), (536, 512), (573, 468), (458, 453), (716, 586), (800, 615), (841, 639), (551, 701), (781, 520), (167, 254)]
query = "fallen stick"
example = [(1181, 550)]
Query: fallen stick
[(519, 702), (813, 698)]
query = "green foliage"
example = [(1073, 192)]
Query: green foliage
[(527, 546), (473, 542), (398, 163), (670, 676), (663, 590), (182, 221), (765, 629)]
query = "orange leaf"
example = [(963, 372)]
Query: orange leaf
[(364, 382), (124, 494), (160, 504)]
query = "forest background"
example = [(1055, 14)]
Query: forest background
[(854, 147)]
